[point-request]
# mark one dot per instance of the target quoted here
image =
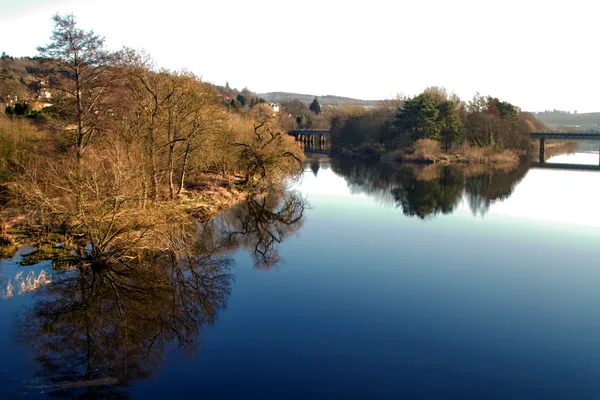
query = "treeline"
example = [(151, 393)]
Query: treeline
[(296, 114), (129, 148), (435, 115)]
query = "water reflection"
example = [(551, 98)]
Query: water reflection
[(425, 191), (423, 197), (111, 324), (261, 224), (95, 329)]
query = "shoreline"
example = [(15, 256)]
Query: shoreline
[(202, 200), (474, 156)]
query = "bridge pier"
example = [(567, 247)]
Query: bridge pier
[(543, 136), (311, 137)]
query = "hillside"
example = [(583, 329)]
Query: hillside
[(23, 79), (308, 98), (18, 80), (564, 120)]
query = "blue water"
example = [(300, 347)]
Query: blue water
[(367, 302)]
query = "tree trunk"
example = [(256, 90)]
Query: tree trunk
[(183, 167), (144, 192), (153, 172), (170, 175), (152, 154), (79, 140)]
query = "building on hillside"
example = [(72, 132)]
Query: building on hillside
[(274, 106), (11, 99), (43, 91)]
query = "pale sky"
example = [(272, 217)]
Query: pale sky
[(536, 54)]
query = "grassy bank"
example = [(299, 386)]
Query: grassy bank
[(202, 200), (426, 151)]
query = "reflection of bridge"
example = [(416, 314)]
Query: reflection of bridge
[(310, 135), (309, 150), (570, 167), (543, 136)]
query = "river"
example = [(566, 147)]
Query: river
[(367, 281)]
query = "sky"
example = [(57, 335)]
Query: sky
[(538, 55)]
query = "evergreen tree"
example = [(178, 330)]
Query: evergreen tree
[(419, 117), (81, 67), (425, 116), (451, 128), (315, 106), (241, 99)]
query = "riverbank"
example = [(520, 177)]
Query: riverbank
[(209, 195), (429, 152)]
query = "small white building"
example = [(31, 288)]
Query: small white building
[(274, 106)]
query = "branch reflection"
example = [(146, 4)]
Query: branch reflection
[(93, 330), (261, 224)]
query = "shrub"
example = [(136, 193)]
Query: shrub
[(427, 148)]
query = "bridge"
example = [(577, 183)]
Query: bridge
[(543, 136), (311, 135)]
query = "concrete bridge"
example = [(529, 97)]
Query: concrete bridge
[(543, 136), (311, 135)]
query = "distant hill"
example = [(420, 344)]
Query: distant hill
[(567, 121), (308, 98)]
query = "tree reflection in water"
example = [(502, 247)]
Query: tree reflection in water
[(425, 191), (261, 224), (94, 330)]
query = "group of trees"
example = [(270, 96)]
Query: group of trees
[(296, 114), (244, 100), (437, 115), (126, 138), (22, 108), (431, 115)]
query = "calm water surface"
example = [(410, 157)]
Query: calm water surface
[(369, 282)]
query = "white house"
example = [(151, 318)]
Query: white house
[(274, 106)]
